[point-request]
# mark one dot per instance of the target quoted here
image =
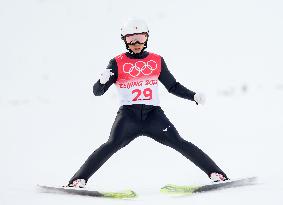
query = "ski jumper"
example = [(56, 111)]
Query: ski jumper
[(136, 77)]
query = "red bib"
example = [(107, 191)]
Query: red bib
[(137, 81)]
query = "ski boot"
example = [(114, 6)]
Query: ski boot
[(78, 183), (217, 177)]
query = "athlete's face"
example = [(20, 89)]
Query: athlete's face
[(137, 48)]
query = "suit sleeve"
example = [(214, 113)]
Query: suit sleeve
[(100, 89), (170, 83)]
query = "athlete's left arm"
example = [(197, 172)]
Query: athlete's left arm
[(174, 87)]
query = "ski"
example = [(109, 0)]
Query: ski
[(176, 189), (85, 192)]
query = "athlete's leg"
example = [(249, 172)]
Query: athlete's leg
[(125, 128), (158, 127)]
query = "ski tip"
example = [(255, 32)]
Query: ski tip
[(253, 179), (247, 180)]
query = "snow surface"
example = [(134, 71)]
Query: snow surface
[(51, 52)]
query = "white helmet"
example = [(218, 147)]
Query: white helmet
[(134, 25)]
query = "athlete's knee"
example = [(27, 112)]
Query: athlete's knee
[(116, 143), (178, 141), (180, 144), (111, 144)]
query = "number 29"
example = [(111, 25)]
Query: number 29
[(145, 94)]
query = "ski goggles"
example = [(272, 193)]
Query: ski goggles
[(132, 39)]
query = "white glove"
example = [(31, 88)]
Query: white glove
[(104, 77), (199, 98)]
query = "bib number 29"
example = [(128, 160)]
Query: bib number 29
[(145, 94)]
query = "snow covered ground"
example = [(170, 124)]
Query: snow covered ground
[(51, 53)]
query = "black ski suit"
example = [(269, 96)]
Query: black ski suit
[(148, 120)]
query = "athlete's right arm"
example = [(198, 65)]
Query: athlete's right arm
[(99, 88)]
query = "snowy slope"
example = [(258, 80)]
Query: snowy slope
[(51, 53)]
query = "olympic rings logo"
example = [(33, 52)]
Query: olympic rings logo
[(140, 67)]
